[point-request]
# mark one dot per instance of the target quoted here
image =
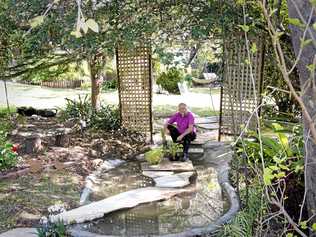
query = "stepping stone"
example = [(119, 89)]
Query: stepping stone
[(193, 150), (18, 232), (167, 165), (210, 126), (174, 181), (124, 200), (213, 119), (157, 174)]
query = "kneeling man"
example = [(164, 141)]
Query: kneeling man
[(184, 132)]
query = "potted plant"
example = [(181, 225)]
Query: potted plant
[(154, 156)]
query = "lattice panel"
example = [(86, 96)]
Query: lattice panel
[(134, 76), (238, 96)]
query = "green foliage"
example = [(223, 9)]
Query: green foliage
[(110, 82), (169, 80), (281, 152), (53, 230), (173, 149), (154, 156), (55, 73), (77, 109), (188, 79), (8, 156), (107, 117), (243, 224)]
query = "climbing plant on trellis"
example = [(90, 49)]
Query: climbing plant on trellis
[(135, 94), (240, 95)]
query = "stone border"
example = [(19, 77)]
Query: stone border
[(221, 164)]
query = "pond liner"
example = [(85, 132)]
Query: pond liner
[(223, 180)]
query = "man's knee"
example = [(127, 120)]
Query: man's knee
[(171, 127)]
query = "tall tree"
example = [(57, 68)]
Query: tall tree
[(304, 12)]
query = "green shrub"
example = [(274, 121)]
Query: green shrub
[(189, 79), (282, 153), (169, 80), (106, 118), (154, 156), (110, 83), (77, 109)]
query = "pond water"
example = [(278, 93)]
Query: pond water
[(175, 215)]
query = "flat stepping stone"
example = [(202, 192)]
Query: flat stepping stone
[(179, 180), (210, 126), (18, 232), (124, 200), (167, 165), (157, 174), (213, 119), (193, 150)]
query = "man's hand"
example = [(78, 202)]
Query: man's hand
[(167, 132), (179, 138)]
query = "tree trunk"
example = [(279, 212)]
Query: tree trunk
[(302, 10), (97, 63)]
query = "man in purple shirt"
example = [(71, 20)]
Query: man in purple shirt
[(184, 132)]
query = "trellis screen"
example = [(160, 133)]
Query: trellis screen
[(134, 77), (240, 94)]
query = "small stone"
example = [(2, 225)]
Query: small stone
[(96, 162)]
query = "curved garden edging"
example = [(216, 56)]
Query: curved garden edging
[(219, 154)]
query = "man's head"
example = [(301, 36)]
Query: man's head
[(183, 109)]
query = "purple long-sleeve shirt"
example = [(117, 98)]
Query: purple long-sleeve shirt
[(182, 122)]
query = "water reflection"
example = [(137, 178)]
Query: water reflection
[(171, 216)]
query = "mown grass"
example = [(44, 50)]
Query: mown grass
[(167, 110)]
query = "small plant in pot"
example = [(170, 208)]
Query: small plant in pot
[(172, 150), (154, 156)]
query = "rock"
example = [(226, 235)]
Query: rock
[(93, 153), (174, 181), (100, 146), (124, 200), (111, 164), (167, 165), (96, 162), (217, 150), (157, 174), (33, 144), (140, 157), (18, 232), (28, 216)]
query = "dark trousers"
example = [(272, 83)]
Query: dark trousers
[(186, 140)]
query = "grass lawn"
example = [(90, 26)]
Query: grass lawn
[(167, 110), (4, 110), (203, 90)]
